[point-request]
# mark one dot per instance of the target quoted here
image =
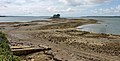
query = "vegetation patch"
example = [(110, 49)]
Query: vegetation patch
[(75, 32), (58, 40), (60, 25), (68, 24), (108, 48), (84, 34), (93, 35), (5, 51)]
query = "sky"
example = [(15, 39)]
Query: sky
[(67, 8)]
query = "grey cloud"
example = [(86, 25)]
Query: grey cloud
[(18, 2), (114, 10), (96, 1), (83, 2), (72, 2)]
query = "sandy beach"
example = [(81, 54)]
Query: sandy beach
[(67, 42)]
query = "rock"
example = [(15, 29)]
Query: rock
[(32, 59), (46, 47)]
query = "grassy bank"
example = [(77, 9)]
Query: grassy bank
[(5, 51)]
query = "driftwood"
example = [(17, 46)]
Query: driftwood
[(25, 51)]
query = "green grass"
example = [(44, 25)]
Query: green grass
[(2, 35), (5, 51)]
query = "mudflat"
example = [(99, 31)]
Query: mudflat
[(67, 43)]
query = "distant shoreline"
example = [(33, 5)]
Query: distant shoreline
[(101, 17), (3, 16), (68, 17), (25, 16)]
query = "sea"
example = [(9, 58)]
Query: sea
[(22, 18), (107, 25)]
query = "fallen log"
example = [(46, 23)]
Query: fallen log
[(26, 51)]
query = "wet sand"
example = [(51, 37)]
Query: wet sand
[(66, 41)]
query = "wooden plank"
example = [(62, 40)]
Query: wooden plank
[(27, 51)]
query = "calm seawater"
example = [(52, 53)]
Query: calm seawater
[(108, 26), (22, 18)]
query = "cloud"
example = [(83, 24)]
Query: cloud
[(107, 11), (71, 2), (48, 7), (61, 9), (96, 1), (25, 2), (83, 2), (24, 7), (32, 7)]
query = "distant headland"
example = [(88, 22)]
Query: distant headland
[(2, 16)]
